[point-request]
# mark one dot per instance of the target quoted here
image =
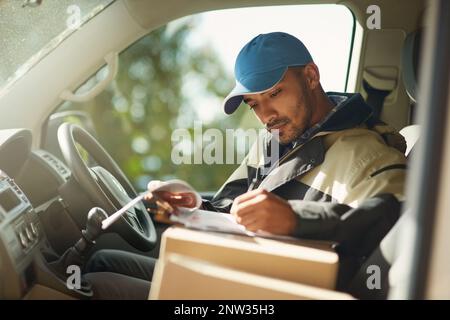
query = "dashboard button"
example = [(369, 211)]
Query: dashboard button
[(34, 229), (23, 239), (29, 234)]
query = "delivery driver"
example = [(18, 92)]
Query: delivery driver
[(340, 171)]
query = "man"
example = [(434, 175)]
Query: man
[(340, 171)]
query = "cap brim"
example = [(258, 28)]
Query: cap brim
[(258, 83)]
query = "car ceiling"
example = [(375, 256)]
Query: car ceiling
[(125, 21), (151, 14)]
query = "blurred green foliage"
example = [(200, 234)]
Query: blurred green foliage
[(135, 117)]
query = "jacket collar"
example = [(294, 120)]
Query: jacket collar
[(350, 111)]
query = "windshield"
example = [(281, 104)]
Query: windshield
[(31, 28)]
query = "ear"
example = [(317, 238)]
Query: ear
[(312, 75)]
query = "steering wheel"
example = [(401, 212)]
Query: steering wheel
[(106, 185)]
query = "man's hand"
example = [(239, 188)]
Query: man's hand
[(262, 210), (169, 201), (174, 200)]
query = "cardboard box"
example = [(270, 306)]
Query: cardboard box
[(184, 278), (308, 262)]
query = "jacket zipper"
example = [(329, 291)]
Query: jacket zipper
[(256, 181)]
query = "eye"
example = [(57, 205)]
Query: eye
[(275, 93)]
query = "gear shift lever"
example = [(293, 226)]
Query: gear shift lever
[(93, 230), (75, 255)]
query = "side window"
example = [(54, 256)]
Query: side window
[(161, 117)]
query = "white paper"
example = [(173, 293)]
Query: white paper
[(175, 186), (194, 218), (208, 220), (218, 222)]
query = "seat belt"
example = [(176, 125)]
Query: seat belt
[(375, 98)]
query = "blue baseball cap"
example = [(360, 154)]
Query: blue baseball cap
[(261, 64)]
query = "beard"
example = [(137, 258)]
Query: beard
[(292, 130), (301, 119)]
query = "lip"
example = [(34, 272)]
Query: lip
[(278, 126)]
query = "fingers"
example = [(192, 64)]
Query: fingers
[(249, 195), (255, 226), (163, 207), (247, 220), (242, 198), (251, 222), (249, 206), (245, 203), (255, 211), (161, 215)]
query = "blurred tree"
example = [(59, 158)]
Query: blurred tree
[(135, 117)]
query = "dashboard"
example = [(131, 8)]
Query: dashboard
[(21, 223), (21, 234), (41, 176), (29, 182), (41, 216)]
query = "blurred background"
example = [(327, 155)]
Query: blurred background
[(180, 73)]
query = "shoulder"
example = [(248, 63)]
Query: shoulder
[(361, 147), (361, 140)]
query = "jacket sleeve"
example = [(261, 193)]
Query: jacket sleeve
[(359, 165), (367, 187), (357, 230), (377, 172)]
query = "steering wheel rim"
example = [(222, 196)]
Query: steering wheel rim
[(101, 185)]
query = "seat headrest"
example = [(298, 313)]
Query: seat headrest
[(410, 62), (411, 134)]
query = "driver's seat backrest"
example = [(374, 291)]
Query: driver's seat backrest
[(410, 71), (385, 255), (410, 63)]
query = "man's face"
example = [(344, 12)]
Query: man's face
[(287, 107)]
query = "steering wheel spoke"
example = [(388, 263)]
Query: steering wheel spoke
[(134, 221)]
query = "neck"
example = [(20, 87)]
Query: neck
[(323, 107)]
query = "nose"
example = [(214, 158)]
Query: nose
[(267, 114)]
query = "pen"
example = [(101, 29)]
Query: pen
[(112, 218), (254, 182), (166, 208)]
